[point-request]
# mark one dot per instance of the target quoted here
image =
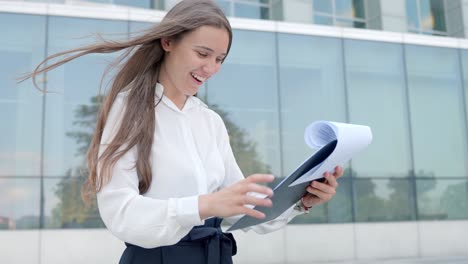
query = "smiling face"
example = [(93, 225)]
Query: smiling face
[(191, 60)]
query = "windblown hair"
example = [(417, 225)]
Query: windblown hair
[(139, 66)]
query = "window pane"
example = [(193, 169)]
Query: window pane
[(350, 23), (432, 15), (245, 92), (323, 20), (384, 200), (134, 3), (376, 80), (311, 89), (442, 199), (63, 206), (350, 8), (439, 135), (340, 206), (324, 6), (438, 13), (225, 6), (251, 11), (19, 203), (412, 14), (427, 19), (71, 113), (21, 49)]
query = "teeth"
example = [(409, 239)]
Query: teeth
[(201, 79)]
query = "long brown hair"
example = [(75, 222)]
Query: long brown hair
[(138, 65)]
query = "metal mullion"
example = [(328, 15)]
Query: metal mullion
[(334, 12), (410, 134), (418, 9)]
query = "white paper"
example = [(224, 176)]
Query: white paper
[(351, 139)]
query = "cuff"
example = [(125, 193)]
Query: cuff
[(186, 211)]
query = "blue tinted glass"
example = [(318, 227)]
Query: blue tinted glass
[(225, 6), (19, 203), (251, 11), (21, 49), (350, 23), (384, 200), (64, 208), (245, 93), (427, 19), (376, 80), (438, 14), (436, 107), (323, 20), (324, 6), (69, 124), (442, 199), (412, 14), (311, 89), (340, 206), (134, 3), (349, 8)]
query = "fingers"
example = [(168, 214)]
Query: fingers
[(252, 212), (331, 180), (338, 172), (250, 184), (322, 187), (249, 199), (258, 178)]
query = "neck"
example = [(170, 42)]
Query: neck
[(170, 91)]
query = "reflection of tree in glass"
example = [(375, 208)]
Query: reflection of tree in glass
[(370, 207), (455, 201), (244, 149), (399, 205), (72, 212)]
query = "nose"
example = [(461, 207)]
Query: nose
[(211, 67)]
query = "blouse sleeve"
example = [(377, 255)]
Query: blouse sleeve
[(234, 174), (134, 218)]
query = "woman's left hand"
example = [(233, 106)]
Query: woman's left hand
[(318, 193)]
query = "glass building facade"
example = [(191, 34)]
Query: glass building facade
[(272, 85)]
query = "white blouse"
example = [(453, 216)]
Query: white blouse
[(191, 156)]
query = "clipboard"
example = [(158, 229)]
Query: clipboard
[(286, 196)]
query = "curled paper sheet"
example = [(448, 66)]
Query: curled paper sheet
[(336, 143), (350, 139)]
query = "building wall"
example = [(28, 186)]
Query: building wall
[(293, 244), (410, 187)]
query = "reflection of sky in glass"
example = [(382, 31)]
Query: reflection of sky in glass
[(439, 134), (21, 49), (311, 89), (442, 199), (245, 87), (19, 201), (78, 81), (250, 11), (377, 98)]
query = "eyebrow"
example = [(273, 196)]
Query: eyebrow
[(208, 49)]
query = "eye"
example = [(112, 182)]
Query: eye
[(219, 60), (202, 54)]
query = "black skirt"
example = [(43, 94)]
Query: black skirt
[(204, 244)]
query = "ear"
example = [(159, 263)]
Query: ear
[(166, 44)]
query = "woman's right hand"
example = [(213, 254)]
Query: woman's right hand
[(232, 200)]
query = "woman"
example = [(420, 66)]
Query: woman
[(160, 161)]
